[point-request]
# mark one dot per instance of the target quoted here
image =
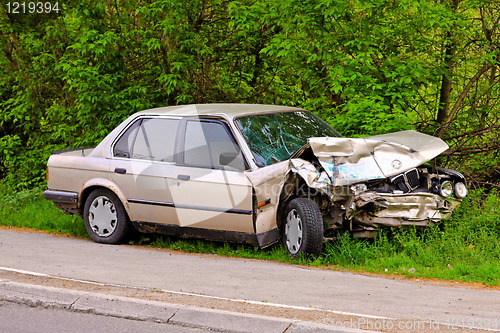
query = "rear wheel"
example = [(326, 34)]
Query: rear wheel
[(105, 218), (302, 228)]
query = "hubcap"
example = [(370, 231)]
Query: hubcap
[(102, 216), (293, 231)]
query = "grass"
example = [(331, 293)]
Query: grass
[(28, 209), (464, 248)]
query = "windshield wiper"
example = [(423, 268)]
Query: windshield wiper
[(296, 151)]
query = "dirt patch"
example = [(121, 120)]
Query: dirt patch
[(35, 231)]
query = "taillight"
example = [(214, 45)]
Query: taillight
[(47, 174)]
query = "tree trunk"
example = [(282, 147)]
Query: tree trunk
[(445, 92), (447, 79), (449, 117)]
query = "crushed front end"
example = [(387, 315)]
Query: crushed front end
[(418, 197), (383, 181)]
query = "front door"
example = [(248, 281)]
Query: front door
[(208, 187)]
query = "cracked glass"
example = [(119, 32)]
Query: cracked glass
[(274, 137)]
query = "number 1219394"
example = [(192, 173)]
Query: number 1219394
[(32, 7)]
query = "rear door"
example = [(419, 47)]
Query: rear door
[(209, 187), (142, 162)]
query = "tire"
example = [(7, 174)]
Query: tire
[(302, 228), (105, 218)]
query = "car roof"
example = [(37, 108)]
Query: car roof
[(227, 110)]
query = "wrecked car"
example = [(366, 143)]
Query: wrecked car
[(253, 174)]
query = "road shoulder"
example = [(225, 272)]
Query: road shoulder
[(147, 310)]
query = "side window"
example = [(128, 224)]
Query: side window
[(209, 145), (156, 139), (153, 140), (123, 146)]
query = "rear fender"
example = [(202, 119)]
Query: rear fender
[(95, 183)]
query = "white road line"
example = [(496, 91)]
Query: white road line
[(22, 272)]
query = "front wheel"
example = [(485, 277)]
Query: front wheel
[(105, 218), (303, 228)]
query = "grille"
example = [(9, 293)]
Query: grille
[(407, 181), (412, 178), (400, 182)]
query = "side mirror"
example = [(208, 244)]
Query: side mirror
[(227, 158)]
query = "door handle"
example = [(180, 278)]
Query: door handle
[(183, 177), (120, 170)]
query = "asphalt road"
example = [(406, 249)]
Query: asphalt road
[(19, 318), (259, 281)]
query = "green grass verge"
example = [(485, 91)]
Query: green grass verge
[(28, 209), (465, 247)]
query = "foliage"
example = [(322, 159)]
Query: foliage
[(367, 67), (465, 247)]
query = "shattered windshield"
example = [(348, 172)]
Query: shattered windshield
[(276, 136)]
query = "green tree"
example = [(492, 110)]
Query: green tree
[(367, 67)]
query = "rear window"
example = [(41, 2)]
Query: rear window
[(148, 139)]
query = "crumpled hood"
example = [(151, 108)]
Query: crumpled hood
[(349, 161)]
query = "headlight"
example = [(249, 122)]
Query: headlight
[(461, 190), (359, 188), (446, 189)]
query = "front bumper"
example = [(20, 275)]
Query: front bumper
[(400, 210)]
